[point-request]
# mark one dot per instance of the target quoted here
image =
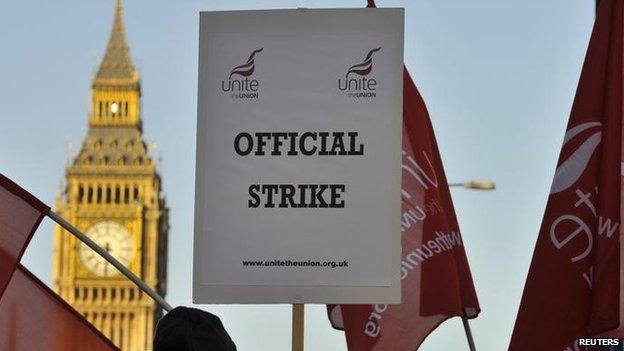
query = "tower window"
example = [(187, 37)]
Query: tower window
[(100, 110), (90, 195), (136, 194), (114, 109), (117, 194), (99, 194), (80, 194), (108, 194), (126, 108), (122, 335), (126, 195)]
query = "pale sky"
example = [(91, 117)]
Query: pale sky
[(498, 78)]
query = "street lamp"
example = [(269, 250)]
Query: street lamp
[(475, 185)]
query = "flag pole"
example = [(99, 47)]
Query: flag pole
[(95, 247), (298, 311), (468, 333)]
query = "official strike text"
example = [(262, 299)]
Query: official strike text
[(298, 144), (300, 195), (294, 144)]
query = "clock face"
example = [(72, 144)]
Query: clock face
[(114, 238)]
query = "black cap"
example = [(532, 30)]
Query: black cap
[(190, 329)]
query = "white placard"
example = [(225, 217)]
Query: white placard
[(298, 157)]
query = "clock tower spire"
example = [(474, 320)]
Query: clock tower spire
[(116, 86), (113, 193), (117, 62)]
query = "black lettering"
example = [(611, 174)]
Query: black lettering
[(338, 147), (261, 143), (268, 190), (355, 84), (288, 192), (340, 86), (336, 191), (297, 196), (254, 202), (229, 86), (323, 151), (302, 144), (293, 144), (372, 84), (317, 195), (237, 145), (235, 85), (353, 151), (277, 143), (302, 197)]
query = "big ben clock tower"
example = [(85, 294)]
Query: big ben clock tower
[(113, 194)]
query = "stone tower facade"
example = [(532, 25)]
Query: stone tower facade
[(113, 194)]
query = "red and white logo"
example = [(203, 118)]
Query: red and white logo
[(570, 170), (357, 82), (243, 87)]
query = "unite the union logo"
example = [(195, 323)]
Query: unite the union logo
[(240, 84), (357, 82), (574, 164)]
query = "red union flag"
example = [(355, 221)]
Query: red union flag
[(20, 215), (33, 317), (572, 289), (436, 279)]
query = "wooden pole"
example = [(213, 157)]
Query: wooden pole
[(297, 326), (471, 343)]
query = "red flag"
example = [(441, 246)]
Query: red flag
[(20, 215), (572, 289), (33, 317), (436, 279)]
